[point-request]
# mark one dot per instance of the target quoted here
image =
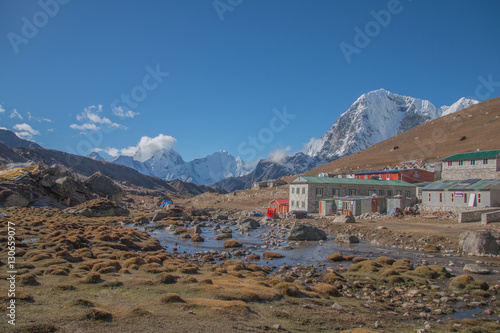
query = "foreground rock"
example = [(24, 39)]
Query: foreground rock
[(104, 186), (99, 208), (306, 232), (344, 219), (480, 242), (347, 239)]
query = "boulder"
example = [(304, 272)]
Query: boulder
[(65, 187), (249, 223), (480, 242), (344, 219), (306, 232), (12, 199), (348, 239), (272, 255), (99, 208), (173, 212), (197, 238), (230, 243), (48, 181), (104, 187), (475, 269)]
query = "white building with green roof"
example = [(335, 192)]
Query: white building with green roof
[(306, 192), (479, 165)]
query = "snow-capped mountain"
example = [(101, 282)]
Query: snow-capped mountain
[(168, 164), (96, 157), (374, 117)]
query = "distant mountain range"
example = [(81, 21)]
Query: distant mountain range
[(374, 117), (167, 164)]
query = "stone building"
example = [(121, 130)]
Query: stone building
[(461, 195), (478, 165), (306, 192)]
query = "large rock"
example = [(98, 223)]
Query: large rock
[(104, 187), (173, 212), (248, 224), (480, 242), (348, 239), (65, 187), (306, 232), (344, 219), (99, 208), (12, 199)]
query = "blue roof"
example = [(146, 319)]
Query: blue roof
[(462, 185)]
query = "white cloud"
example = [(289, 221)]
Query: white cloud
[(25, 131), (278, 155), (118, 111), (2, 110), (15, 114), (90, 117), (309, 144), (50, 130), (85, 127), (146, 147), (47, 120)]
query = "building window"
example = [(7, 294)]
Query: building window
[(485, 161), (372, 192), (303, 204), (450, 163), (319, 192), (293, 203), (389, 193), (472, 162), (352, 191), (479, 198), (303, 190), (293, 190), (465, 198), (460, 162), (381, 193), (407, 194), (398, 192), (316, 206), (452, 197), (440, 197)]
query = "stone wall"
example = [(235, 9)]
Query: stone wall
[(453, 209), (475, 215), (468, 174), (490, 217)]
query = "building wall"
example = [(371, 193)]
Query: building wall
[(450, 198), (309, 198), (467, 171)]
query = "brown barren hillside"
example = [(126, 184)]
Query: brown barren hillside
[(430, 142)]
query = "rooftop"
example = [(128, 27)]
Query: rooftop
[(473, 155), (350, 181), (462, 185)]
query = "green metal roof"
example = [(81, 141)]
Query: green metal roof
[(350, 181), (474, 155)]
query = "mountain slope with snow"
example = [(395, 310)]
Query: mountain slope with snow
[(375, 117)]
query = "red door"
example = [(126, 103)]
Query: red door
[(374, 205)]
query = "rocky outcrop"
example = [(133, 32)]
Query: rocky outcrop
[(104, 187), (306, 232), (344, 219), (480, 242), (99, 208)]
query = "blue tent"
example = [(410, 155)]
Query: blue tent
[(165, 203)]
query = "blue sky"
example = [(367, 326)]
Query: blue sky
[(247, 76)]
